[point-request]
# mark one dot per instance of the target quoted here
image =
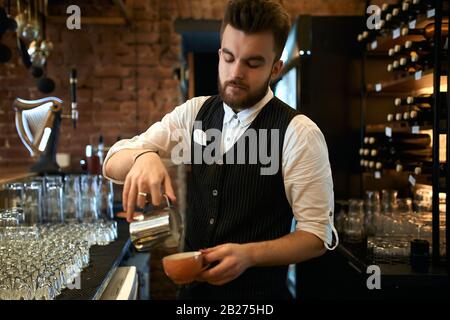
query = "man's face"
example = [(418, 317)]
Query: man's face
[(246, 66)]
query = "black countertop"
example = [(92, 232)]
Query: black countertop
[(395, 274), (103, 262)]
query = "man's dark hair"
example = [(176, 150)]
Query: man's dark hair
[(254, 16)]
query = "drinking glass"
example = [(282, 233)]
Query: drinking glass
[(72, 198), (388, 201), (89, 191), (371, 209), (54, 200), (14, 195), (355, 232), (106, 198), (33, 203)]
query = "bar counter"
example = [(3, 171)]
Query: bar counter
[(11, 174), (103, 262), (343, 274)]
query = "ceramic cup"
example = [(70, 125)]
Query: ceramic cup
[(183, 267)]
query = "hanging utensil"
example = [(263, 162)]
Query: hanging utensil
[(21, 19), (23, 52), (31, 30), (45, 84), (11, 23)]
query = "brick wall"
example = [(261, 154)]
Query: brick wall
[(125, 74), (126, 79)]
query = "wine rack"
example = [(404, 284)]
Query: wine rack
[(406, 55)]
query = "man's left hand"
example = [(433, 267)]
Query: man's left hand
[(233, 259)]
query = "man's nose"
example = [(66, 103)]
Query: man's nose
[(238, 71)]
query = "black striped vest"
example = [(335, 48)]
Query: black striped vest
[(235, 203)]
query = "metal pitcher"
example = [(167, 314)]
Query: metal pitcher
[(159, 227)]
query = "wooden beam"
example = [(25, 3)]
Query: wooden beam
[(90, 20)]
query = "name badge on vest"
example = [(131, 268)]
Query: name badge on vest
[(200, 137)]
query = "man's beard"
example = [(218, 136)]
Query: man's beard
[(246, 102)]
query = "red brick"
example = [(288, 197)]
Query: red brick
[(111, 71), (111, 83)]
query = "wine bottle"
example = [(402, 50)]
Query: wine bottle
[(390, 158), (361, 162), (426, 167), (418, 46), (400, 140), (427, 32), (390, 117), (393, 66), (421, 102), (410, 48), (371, 35), (393, 20), (420, 117), (409, 166), (370, 165), (408, 11), (392, 52), (364, 152), (406, 116), (385, 164), (421, 6), (398, 152), (400, 101), (417, 62), (387, 8), (427, 100)]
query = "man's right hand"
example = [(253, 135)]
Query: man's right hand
[(148, 175)]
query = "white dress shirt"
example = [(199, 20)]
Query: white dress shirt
[(305, 166)]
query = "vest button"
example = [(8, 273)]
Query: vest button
[(215, 193), (211, 221)]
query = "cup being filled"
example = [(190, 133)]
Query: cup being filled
[(184, 267)]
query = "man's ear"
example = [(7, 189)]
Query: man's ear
[(276, 69)]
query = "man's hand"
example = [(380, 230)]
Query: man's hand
[(147, 175), (234, 260)]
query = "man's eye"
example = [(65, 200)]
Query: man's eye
[(254, 64), (228, 59)]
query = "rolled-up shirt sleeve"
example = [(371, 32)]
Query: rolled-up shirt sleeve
[(307, 178), (162, 136)]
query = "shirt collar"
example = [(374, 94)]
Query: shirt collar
[(246, 116)]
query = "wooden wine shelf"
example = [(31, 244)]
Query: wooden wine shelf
[(402, 127), (382, 44), (381, 128), (411, 84)]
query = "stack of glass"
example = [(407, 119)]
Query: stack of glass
[(388, 224), (47, 226)]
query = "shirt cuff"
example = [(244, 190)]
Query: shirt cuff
[(327, 233)]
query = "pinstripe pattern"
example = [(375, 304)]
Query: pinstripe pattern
[(245, 205)]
